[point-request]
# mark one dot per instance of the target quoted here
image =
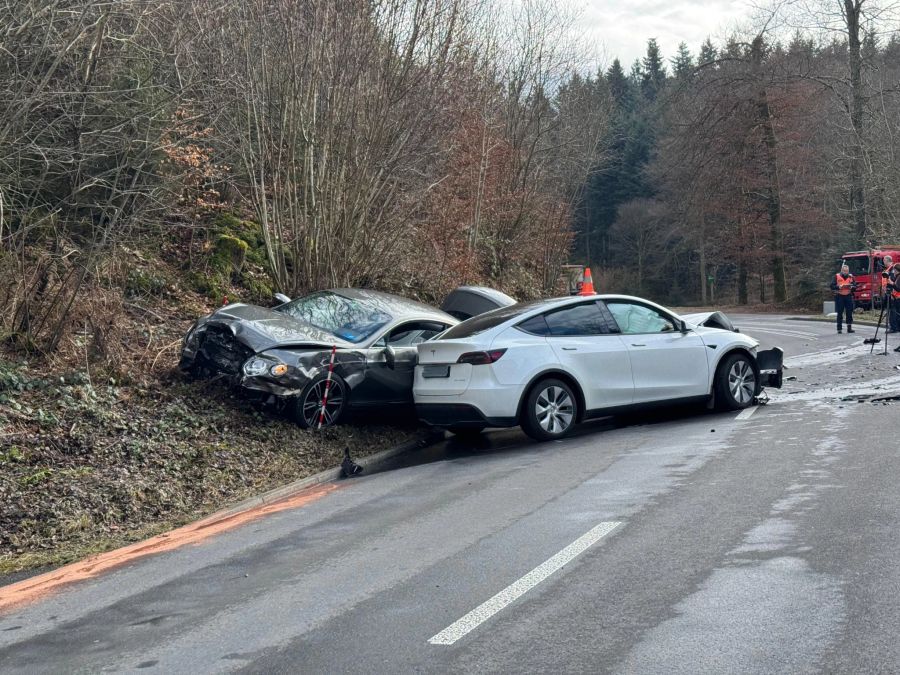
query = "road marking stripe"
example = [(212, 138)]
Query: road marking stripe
[(486, 610), (747, 413), (782, 333), (35, 588), (783, 327)]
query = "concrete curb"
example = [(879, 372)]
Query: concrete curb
[(864, 322), (368, 463)]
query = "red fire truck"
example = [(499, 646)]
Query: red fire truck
[(866, 267)]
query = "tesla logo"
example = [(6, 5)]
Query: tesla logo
[(433, 352)]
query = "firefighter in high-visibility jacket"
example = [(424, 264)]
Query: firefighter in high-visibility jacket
[(889, 275), (894, 287), (843, 286)]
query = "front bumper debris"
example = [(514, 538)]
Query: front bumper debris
[(770, 363)]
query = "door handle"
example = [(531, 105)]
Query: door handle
[(637, 345), (570, 349)]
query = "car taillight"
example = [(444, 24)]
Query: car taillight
[(481, 358)]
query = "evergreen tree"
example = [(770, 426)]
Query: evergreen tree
[(654, 71), (800, 45), (637, 73), (619, 85), (683, 63), (630, 145), (734, 49), (708, 53)]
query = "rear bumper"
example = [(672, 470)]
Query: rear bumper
[(459, 415), (771, 366)]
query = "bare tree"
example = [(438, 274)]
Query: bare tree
[(86, 100)]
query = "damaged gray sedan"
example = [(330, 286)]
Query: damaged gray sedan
[(285, 352)]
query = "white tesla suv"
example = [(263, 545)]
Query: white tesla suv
[(550, 364)]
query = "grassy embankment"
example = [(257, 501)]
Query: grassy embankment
[(105, 444)]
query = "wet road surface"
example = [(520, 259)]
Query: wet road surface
[(679, 542)]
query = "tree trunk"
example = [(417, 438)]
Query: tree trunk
[(742, 282), (852, 14), (773, 189), (703, 281), (640, 262), (762, 286)]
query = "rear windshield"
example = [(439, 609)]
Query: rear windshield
[(488, 320)]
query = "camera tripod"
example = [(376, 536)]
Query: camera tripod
[(885, 305)]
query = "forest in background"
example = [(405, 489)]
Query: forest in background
[(740, 172)]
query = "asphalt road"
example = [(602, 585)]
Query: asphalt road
[(682, 542)]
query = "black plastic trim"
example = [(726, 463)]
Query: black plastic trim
[(632, 407), (459, 415)]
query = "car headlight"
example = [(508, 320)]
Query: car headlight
[(256, 366)]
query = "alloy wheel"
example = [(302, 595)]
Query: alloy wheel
[(554, 410), (742, 382), (312, 404)]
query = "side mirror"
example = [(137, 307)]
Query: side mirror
[(683, 326), (390, 357), (282, 298)]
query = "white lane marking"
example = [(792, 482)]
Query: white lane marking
[(782, 333), (515, 590), (747, 413), (783, 328), (794, 328)]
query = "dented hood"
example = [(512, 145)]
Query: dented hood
[(261, 329), (710, 320)]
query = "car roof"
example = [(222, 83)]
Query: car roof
[(397, 306), (574, 299), (499, 297)]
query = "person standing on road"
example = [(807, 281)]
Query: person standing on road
[(889, 275), (894, 287), (843, 286)]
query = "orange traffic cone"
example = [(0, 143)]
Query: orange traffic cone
[(587, 286)]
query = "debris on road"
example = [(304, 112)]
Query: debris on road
[(348, 466)]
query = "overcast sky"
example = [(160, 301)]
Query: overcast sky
[(621, 27)]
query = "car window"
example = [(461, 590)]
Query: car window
[(411, 333), (633, 318), (536, 325), (582, 319)]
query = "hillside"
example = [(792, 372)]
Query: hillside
[(96, 452)]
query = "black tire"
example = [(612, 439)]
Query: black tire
[(466, 432), (307, 407), (735, 383), (550, 410)]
